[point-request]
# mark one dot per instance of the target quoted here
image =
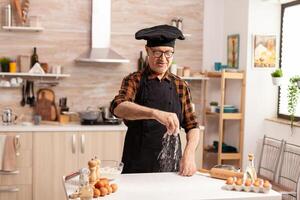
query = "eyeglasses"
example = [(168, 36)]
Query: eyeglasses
[(158, 54)]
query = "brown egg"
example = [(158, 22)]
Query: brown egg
[(230, 181), (96, 193), (104, 181), (109, 189), (248, 182), (239, 181), (100, 184), (256, 183), (114, 187), (266, 184), (103, 191)]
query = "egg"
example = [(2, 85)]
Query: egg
[(109, 189), (103, 191), (266, 184), (239, 181), (230, 181), (256, 183), (114, 187), (96, 193), (248, 182)]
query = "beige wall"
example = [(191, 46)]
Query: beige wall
[(67, 35)]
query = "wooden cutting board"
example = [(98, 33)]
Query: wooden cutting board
[(45, 105)]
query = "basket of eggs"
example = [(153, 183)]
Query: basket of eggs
[(238, 184)]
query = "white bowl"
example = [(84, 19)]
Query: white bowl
[(110, 169)]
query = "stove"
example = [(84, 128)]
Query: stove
[(103, 122)]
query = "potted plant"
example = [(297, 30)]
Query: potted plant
[(213, 106), (4, 64), (293, 96), (277, 77)]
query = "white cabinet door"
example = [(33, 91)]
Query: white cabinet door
[(55, 154)]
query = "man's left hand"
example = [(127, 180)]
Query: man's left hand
[(187, 165)]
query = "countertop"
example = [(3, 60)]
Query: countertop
[(163, 186), (61, 128), (57, 127)]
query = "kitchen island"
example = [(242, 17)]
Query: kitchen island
[(163, 186)]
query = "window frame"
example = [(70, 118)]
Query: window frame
[(283, 7)]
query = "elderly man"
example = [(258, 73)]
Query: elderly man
[(153, 102)]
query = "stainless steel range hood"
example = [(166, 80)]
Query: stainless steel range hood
[(101, 33)]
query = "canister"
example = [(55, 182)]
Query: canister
[(7, 15), (13, 66)]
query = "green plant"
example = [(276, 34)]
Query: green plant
[(214, 103), (293, 96), (277, 73), (4, 61)]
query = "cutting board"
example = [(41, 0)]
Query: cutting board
[(45, 105)]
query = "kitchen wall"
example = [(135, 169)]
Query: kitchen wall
[(67, 35)]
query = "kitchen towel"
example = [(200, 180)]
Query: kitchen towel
[(9, 162), (2, 146)]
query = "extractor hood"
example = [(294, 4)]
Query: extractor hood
[(101, 33)]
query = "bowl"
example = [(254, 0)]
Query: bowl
[(110, 169)]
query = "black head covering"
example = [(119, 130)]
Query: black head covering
[(162, 35)]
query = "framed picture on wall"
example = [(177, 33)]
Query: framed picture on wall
[(264, 50), (233, 48)]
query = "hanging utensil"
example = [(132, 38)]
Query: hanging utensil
[(27, 92), (23, 96), (32, 103)]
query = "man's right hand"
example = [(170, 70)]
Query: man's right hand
[(170, 120)]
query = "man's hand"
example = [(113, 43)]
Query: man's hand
[(187, 166), (170, 120)]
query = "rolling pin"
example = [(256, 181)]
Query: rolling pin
[(221, 173)]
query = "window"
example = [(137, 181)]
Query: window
[(289, 53)]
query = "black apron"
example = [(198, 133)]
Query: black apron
[(143, 140)]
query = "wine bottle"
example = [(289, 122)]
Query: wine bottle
[(141, 61), (34, 58)]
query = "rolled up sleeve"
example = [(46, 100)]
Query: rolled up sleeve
[(127, 92), (189, 117)]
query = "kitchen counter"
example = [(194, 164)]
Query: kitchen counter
[(61, 128), (56, 127), (172, 186)]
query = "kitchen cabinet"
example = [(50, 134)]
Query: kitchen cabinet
[(17, 185), (60, 153)]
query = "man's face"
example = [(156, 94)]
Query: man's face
[(160, 58)]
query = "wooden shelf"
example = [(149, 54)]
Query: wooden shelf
[(227, 75), (230, 156), (29, 75), (194, 78), (23, 28), (230, 116)]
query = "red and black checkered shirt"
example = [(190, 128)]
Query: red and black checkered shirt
[(130, 85)]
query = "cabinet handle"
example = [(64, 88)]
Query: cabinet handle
[(8, 189), (82, 143), (9, 173), (73, 143), (17, 144)]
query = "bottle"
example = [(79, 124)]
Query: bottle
[(141, 61), (250, 172), (34, 58), (146, 62), (86, 190), (7, 14)]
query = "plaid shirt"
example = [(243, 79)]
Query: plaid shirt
[(130, 86)]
